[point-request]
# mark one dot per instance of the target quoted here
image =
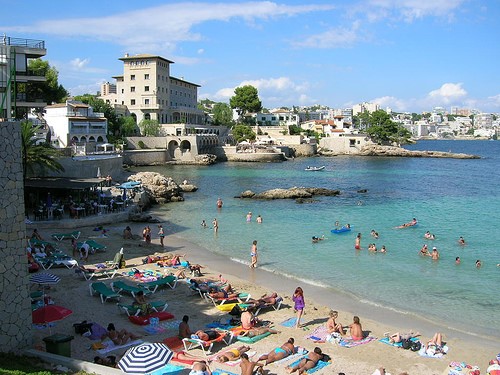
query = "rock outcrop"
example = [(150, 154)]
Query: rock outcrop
[(302, 193), (378, 150)]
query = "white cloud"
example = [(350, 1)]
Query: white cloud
[(78, 63), (272, 92), (138, 30), (396, 104), (91, 88), (448, 92), (332, 38), (414, 9), (200, 51)]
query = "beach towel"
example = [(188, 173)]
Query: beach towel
[(318, 366), (173, 342), (110, 346), (349, 342), (222, 372), (168, 369), (290, 322), (461, 368), (97, 331), (300, 354), (428, 354), (385, 340), (254, 339), (319, 334)]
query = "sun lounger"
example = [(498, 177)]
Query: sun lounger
[(253, 339), (276, 306), (131, 310), (94, 246), (62, 236), (206, 346), (97, 270), (241, 298), (57, 259), (103, 291), (152, 286), (120, 286)]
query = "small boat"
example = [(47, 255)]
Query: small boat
[(315, 168)]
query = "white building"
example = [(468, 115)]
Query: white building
[(364, 107), (149, 92), (76, 123), (277, 118), (483, 120)]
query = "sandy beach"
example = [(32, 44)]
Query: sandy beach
[(73, 292)]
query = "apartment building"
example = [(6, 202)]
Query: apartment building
[(483, 120), (364, 107), (149, 92), (75, 123), (16, 98)]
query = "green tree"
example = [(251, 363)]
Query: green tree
[(100, 106), (383, 130), (222, 114), (128, 127), (150, 128), (50, 90), (295, 130), (245, 99), (35, 154), (243, 132)]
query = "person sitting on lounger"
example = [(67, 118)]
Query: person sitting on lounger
[(141, 303), (232, 354), (265, 300), (307, 363), (398, 337), (280, 352), (119, 337), (226, 292)]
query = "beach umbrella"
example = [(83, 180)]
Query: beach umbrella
[(49, 314), (145, 358), (44, 278)]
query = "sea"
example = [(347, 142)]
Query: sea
[(449, 197)]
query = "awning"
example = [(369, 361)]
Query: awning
[(64, 183)]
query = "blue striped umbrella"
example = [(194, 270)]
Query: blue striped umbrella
[(145, 358), (44, 278)]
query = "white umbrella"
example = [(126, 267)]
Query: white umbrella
[(145, 358)]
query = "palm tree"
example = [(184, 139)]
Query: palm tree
[(41, 155)]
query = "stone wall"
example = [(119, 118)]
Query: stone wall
[(86, 167), (15, 305), (145, 157)]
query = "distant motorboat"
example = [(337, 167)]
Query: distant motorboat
[(313, 169)]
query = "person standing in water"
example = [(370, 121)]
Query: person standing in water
[(219, 203), (253, 254), (357, 243), (215, 225)]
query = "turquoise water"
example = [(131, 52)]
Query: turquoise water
[(449, 197)]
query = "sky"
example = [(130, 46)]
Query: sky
[(409, 55)]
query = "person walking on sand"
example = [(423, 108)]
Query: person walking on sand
[(215, 225), (161, 233), (253, 254), (357, 243), (299, 304)]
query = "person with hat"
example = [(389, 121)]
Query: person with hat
[(434, 254)]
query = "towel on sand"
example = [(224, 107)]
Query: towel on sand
[(319, 334), (385, 340), (318, 366), (349, 342), (110, 346)]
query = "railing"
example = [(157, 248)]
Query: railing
[(79, 114), (22, 97), (21, 42), (31, 73)]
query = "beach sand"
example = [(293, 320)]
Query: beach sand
[(73, 292)]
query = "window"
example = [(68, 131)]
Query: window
[(132, 101), (132, 77), (146, 101), (146, 76), (132, 89), (146, 88), (123, 91)]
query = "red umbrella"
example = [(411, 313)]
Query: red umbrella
[(50, 313)]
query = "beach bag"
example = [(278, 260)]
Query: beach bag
[(415, 346), (406, 343), (82, 327)]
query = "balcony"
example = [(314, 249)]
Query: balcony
[(23, 100), (32, 48), (80, 114)]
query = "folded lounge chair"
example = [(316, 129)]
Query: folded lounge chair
[(103, 291), (206, 346), (131, 310), (62, 236), (152, 286), (120, 286)]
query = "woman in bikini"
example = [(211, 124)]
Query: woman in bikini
[(307, 363), (253, 254), (232, 354), (356, 330), (279, 353), (332, 326)]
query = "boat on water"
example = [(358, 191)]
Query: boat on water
[(315, 168)]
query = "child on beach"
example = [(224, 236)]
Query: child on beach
[(299, 304)]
